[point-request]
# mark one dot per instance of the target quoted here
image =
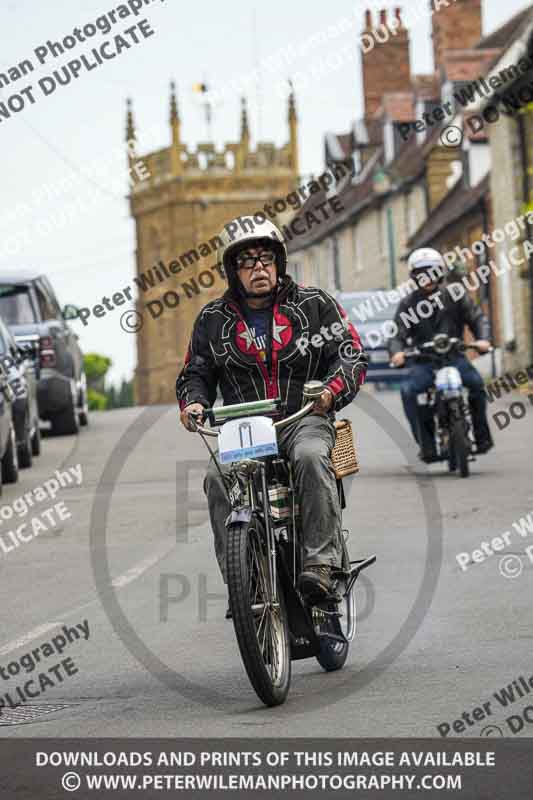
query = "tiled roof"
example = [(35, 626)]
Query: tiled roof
[(458, 202), (408, 165), (368, 132), (504, 35), (344, 144), (409, 162), (353, 198)]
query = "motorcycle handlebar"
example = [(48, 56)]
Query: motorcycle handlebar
[(303, 412), (430, 346)]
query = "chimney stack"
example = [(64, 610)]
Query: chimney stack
[(386, 66), (456, 27)]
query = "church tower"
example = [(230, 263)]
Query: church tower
[(179, 210)]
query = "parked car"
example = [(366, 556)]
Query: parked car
[(29, 307), (371, 315), (9, 467), (21, 370)]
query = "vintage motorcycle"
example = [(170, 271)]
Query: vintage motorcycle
[(444, 419), (274, 624)]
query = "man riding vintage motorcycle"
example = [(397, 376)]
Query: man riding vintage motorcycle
[(263, 339), (449, 316)]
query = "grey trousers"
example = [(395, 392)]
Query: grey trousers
[(307, 445)]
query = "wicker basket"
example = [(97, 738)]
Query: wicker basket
[(344, 454)]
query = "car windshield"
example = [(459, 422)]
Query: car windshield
[(363, 309), (15, 305)]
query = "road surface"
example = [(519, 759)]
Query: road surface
[(435, 641)]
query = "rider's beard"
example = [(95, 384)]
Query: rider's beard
[(259, 294), (428, 288)]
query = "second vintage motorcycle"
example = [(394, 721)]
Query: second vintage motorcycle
[(444, 419)]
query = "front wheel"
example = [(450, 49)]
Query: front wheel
[(259, 619), (459, 449)]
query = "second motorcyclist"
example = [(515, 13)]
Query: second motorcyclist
[(450, 316)]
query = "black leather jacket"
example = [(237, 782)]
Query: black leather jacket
[(222, 352), (414, 329)]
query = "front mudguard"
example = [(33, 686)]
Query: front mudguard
[(239, 515)]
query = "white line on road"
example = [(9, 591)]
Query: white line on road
[(118, 583), (36, 633), (138, 570)]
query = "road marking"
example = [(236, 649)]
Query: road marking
[(36, 633), (139, 569), (117, 583)]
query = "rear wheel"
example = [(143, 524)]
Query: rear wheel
[(260, 624), (10, 464), (66, 423), (459, 448)]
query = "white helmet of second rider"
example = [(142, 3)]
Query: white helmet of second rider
[(427, 260)]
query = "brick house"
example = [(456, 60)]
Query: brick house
[(411, 188), (511, 146)]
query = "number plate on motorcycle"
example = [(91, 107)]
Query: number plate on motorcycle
[(252, 437)]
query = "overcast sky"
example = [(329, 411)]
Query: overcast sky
[(80, 128)]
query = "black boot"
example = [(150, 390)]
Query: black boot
[(315, 582)]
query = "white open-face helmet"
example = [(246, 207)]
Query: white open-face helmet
[(248, 232), (426, 259)]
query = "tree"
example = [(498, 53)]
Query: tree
[(112, 397), (100, 396), (97, 400), (96, 368), (125, 397)]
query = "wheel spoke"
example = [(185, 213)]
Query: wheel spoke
[(268, 624)]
